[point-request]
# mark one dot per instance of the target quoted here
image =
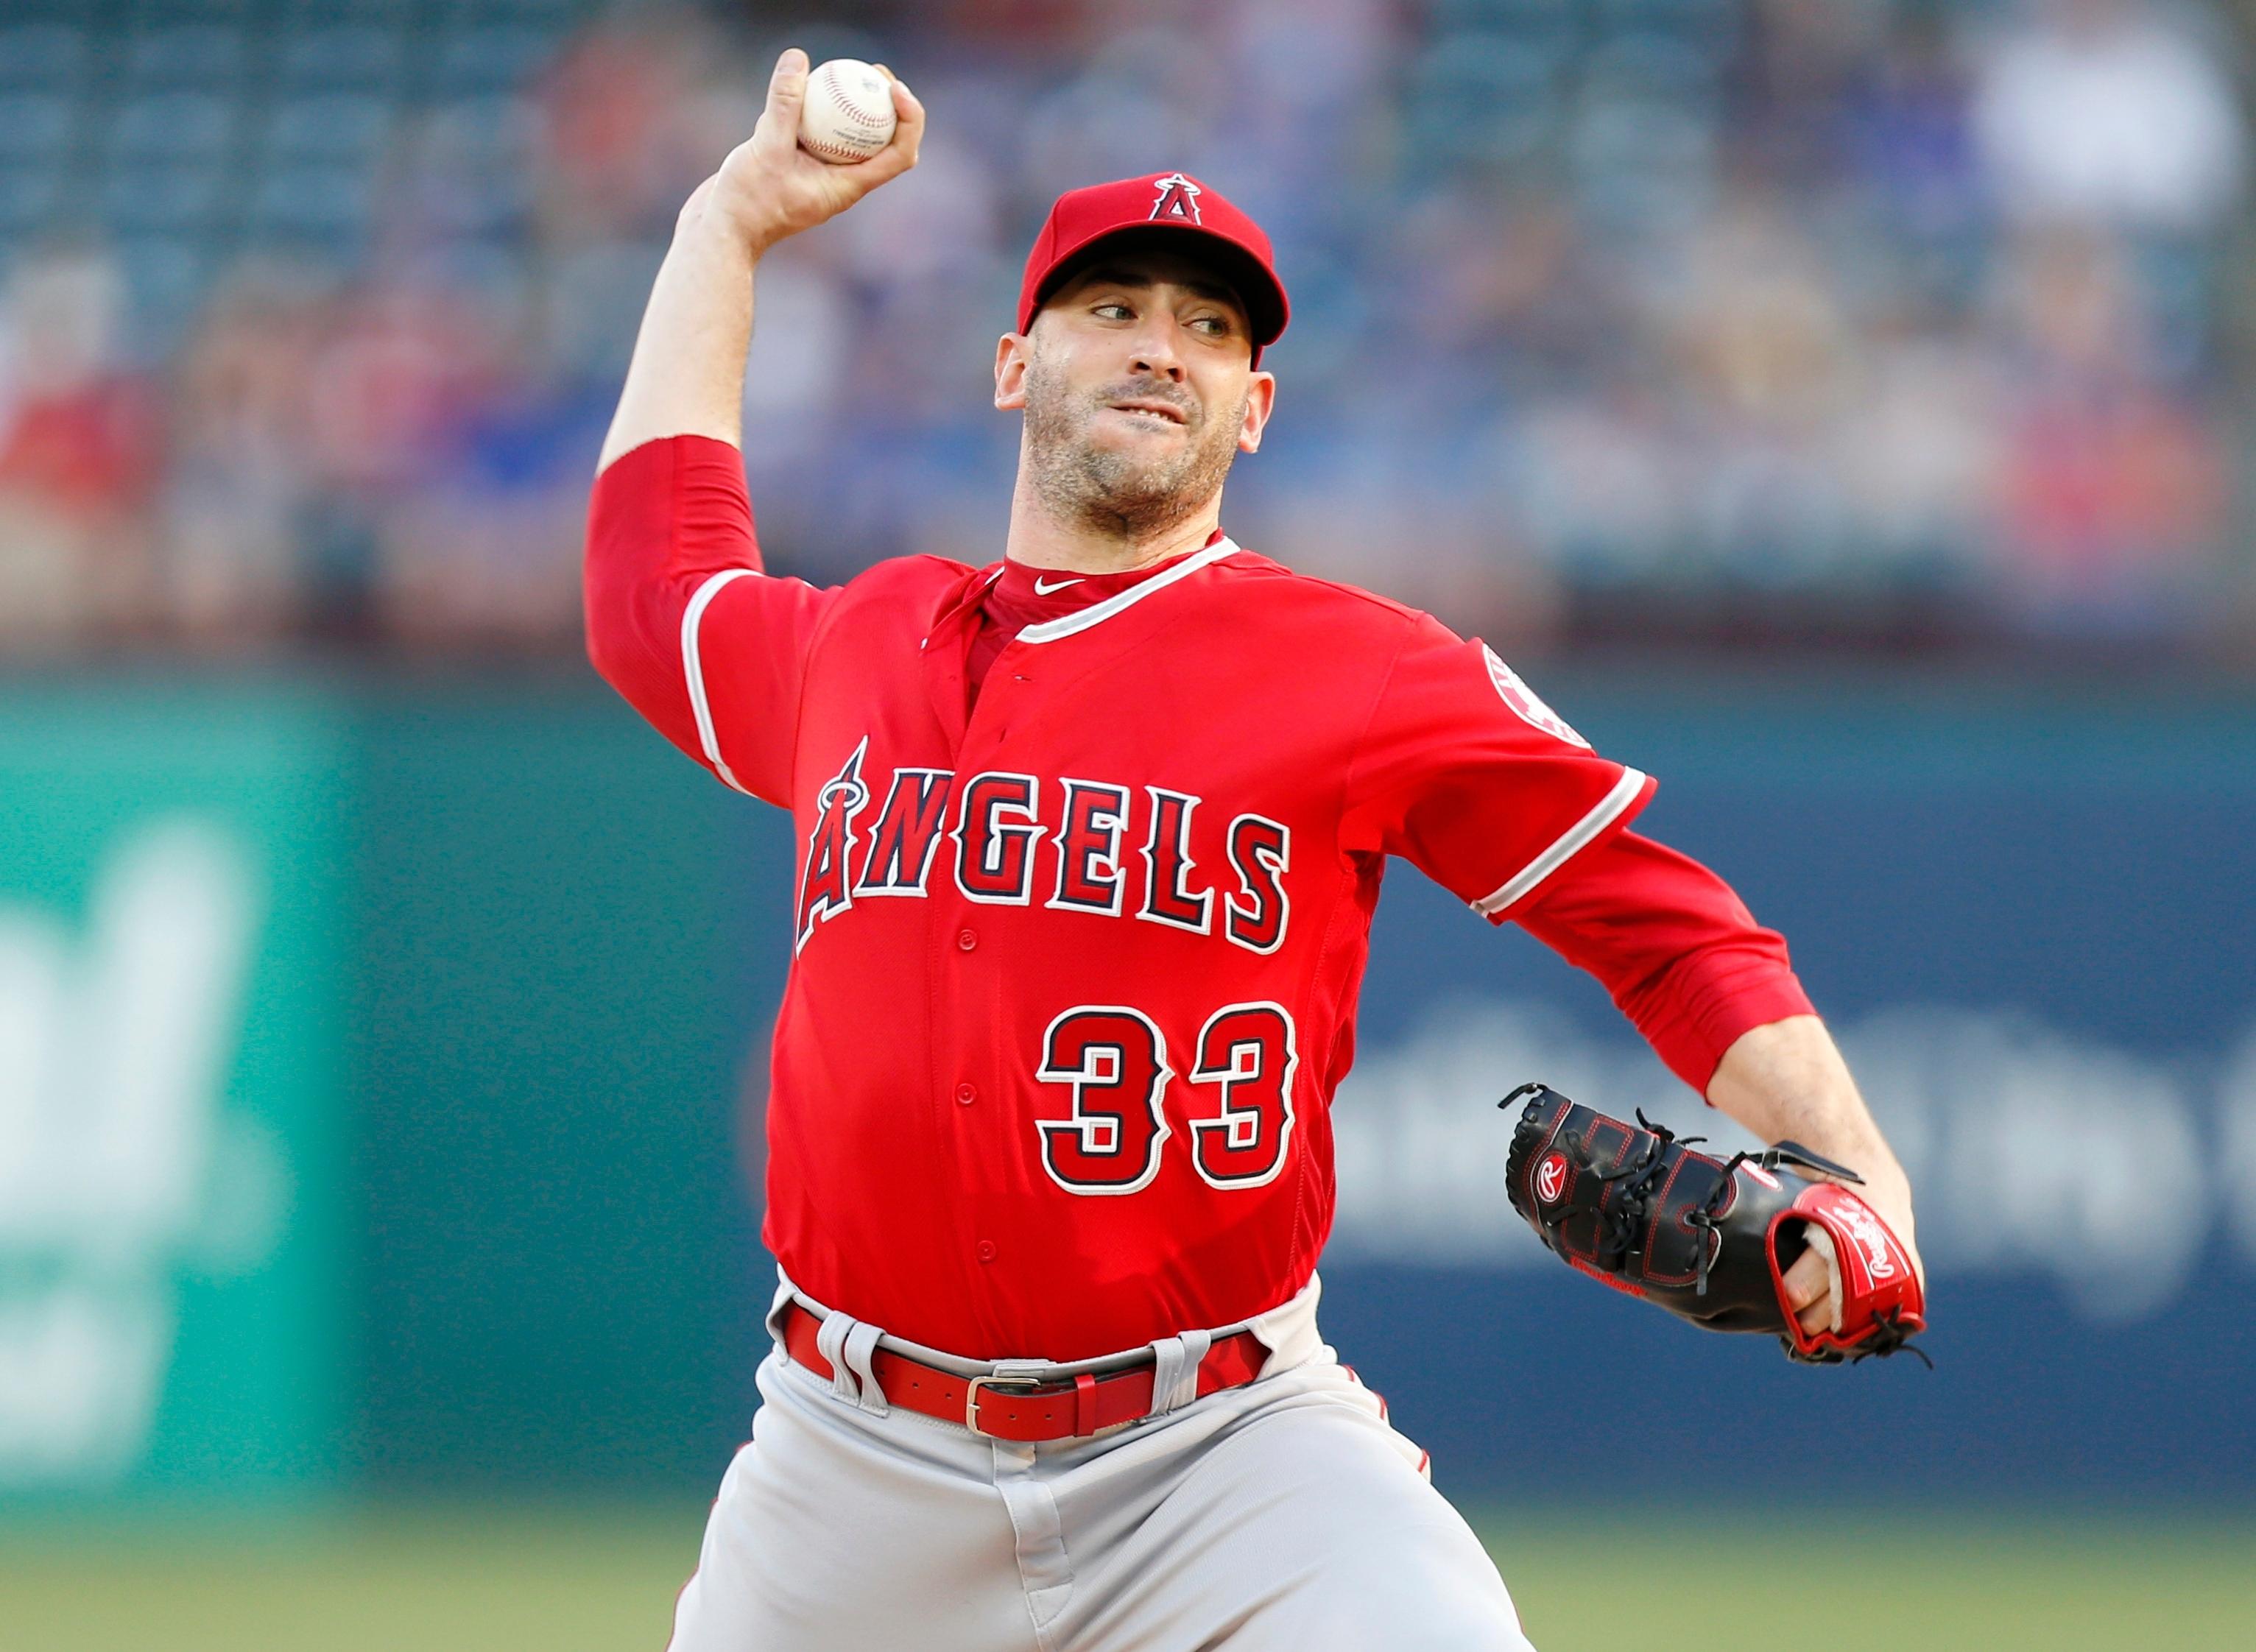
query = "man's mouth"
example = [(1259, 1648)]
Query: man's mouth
[(1146, 407)]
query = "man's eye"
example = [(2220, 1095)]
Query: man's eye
[(1214, 326), (1113, 312)]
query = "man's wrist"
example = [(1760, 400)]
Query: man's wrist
[(752, 225), (714, 221)]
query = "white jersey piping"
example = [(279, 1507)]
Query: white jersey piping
[(1609, 809), (1097, 612), (693, 670)]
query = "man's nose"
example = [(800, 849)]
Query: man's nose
[(1156, 356)]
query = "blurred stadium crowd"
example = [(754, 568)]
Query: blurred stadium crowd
[(1743, 322)]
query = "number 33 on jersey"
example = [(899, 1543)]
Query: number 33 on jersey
[(1076, 957)]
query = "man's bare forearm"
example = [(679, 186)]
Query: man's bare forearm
[(687, 377), (1788, 1080)]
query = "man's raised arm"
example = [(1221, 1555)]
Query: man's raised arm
[(681, 620), (687, 377)]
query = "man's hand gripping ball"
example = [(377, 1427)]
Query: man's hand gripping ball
[(770, 188), (1708, 1239)]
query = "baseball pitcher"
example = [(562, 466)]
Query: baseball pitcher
[(1089, 843)]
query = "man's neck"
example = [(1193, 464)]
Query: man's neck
[(1041, 540)]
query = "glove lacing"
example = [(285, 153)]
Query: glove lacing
[(1621, 1213)]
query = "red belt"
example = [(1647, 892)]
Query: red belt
[(1014, 1407)]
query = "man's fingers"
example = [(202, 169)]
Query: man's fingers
[(788, 84), (908, 130), (1807, 1281), (779, 123), (901, 154), (1808, 1292)]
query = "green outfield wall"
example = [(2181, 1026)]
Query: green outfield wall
[(366, 1063), (175, 1219), (375, 1057), (556, 1002)]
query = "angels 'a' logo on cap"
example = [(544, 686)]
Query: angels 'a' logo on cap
[(1178, 200)]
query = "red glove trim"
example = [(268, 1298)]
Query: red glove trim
[(1876, 1281)]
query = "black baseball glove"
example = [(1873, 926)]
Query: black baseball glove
[(1710, 1240)]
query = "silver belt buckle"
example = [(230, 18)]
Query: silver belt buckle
[(990, 1380)]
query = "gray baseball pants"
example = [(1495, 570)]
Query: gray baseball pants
[(1285, 1515)]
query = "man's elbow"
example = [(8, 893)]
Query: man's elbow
[(617, 634), (600, 633)]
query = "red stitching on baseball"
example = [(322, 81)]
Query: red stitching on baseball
[(852, 111)]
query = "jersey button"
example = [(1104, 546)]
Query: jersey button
[(966, 939), (966, 1094), (986, 1250)]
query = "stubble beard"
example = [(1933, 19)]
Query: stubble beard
[(1111, 490)]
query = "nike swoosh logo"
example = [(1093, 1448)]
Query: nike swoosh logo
[(1043, 590)]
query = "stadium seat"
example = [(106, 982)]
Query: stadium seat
[(476, 147), (28, 196), (195, 54), (554, 14), (160, 197), (1642, 166), (41, 56), (165, 278), (174, 126), (488, 60), (356, 57), (1486, 98), (239, 13), (388, 13), (1686, 16), (36, 127), (1650, 64), (343, 128), (1555, 24), (313, 203)]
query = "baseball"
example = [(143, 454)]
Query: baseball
[(849, 112)]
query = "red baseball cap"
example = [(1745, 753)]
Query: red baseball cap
[(1172, 203)]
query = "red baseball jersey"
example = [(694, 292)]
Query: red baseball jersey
[(1075, 958)]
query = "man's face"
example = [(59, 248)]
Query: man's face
[(1138, 388)]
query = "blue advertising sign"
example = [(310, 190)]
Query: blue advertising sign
[(2031, 930)]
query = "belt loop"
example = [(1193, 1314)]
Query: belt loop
[(1175, 1369), (857, 1348), (785, 1295), (830, 1343), (1084, 1402)]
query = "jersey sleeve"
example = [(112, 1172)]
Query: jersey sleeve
[(1465, 773), (1674, 945), (684, 621)]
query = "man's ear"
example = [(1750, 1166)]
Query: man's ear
[(1010, 354), (1260, 399)]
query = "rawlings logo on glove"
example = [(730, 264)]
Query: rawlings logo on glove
[(1710, 1240)]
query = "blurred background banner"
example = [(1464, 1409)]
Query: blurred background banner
[(1841, 408), (174, 1191)]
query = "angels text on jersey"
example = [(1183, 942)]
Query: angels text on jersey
[(1147, 853)]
